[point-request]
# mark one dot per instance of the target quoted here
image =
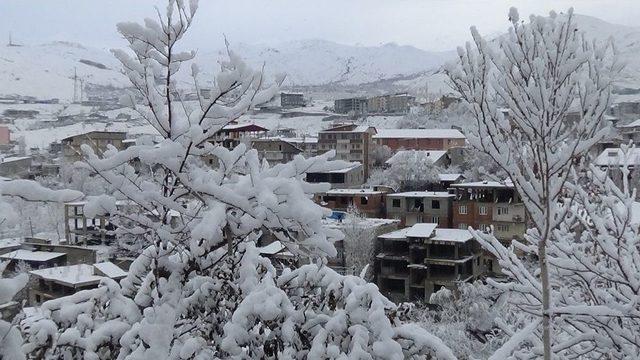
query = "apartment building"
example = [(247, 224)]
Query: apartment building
[(390, 104), (358, 105), (16, 167), (489, 203), (292, 100), (346, 178), (414, 262), (436, 157), (351, 142), (370, 202), (421, 206), (97, 140), (419, 139), (275, 151)]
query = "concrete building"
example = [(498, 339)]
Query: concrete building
[(35, 259), (419, 139), (351, 142), (358, 105), (489, 203), (350, 177), (421, 206), (275, 151), (613, 161), (370, 202), (417, 261), (308, 145), (390, 104), (97, 140), (56, 282), (16, 167), (292, 100)]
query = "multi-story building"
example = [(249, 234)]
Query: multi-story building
[(57, 282), (308, 145), (16, 167), (358, 105), (419, 139), (275, 151), (370, 202), (292, 100), (421, 206), (489, 203), (97, 140), (390, 104), (417, 261), (351, 142), (350, 177)]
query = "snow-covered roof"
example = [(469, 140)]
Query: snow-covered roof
[(422, 194), (344, 170), (274, 248), (615, 157), (421, 230), (452, 235), (110, 269), (13, 158), (395, 235), (368, 223), (485, 184), (9, 242), (449, 177), (243, 126), (402, 155), (28, 255), (368, 191), (418, 134), (72, 275), (631, 124)]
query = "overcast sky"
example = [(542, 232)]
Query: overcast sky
[(426, 24)]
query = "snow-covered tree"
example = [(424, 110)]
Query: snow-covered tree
[(200, 289), (358, 243), (409, 170), (537, 71), (26, 190)]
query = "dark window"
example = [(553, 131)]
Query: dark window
[(435, 204), (364, 200), (395, 203)]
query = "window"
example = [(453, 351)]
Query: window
[(503, 210), (435, 220), (482, 210), (462, 210), (435, 204), (364, 200), (463, 226), (502, 228), (395, 203)]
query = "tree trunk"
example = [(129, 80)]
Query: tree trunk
[(546, 316)]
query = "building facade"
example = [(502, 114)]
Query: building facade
[(275, 151), (97, 140), (420, 207), (292, 100), (351, 143), (417, 261), (350, 177), (357, 105), (369, 202)]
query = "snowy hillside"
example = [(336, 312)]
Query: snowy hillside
[(627, 42), (46, 71), (318, 62)]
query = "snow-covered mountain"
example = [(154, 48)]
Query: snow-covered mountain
[(319, 62), (47, 71)]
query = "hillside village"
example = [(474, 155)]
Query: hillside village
[(410, 193)]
